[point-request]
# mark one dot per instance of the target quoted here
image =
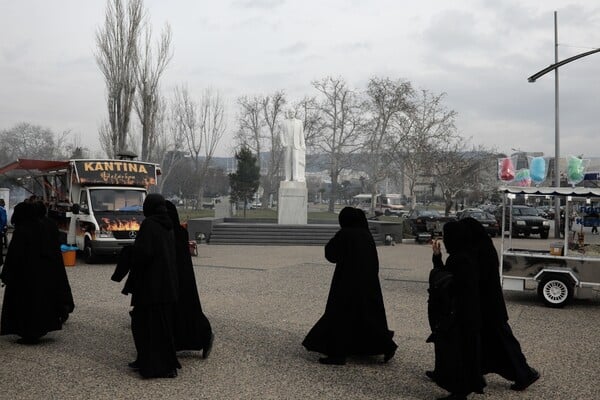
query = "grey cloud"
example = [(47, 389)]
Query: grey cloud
[(354, 46), (259, 4), (296, 48)]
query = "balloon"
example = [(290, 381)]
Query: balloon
[(537, 169), (523, 178), (575, 170), (506, 169)]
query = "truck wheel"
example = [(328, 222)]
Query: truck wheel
[(555, 290), (544, 235), (88, 253)]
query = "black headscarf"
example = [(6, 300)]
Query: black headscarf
[(154, 204), (361, 219), (23, 212), (172, 211), (456, 237), (351, 217), (347, 217), (40, 209)]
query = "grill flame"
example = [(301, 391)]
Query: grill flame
[(120, 225)]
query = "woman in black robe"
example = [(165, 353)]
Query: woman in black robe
[(458, 344), (31, 297), (153, 284), (501, 351), (354, 322), (52, 255), (192, 328)]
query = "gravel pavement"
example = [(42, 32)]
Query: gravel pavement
[(261, 301)]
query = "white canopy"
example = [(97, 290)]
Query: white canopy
[(551, 191)]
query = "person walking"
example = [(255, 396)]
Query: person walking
[(456, 338), (3, 226), (52, 257), (354, 322), (153, 284), (29, 309), (501, 351), (192, 328)]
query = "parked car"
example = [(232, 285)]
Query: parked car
[(548, 211), (424, 220), (542, 212), (485, 218), (525, 221)]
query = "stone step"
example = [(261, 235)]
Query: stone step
[(264, 233)]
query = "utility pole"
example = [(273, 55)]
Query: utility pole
[(556, 134)]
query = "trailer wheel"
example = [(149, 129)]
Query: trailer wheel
[(88, 253), (555, 290)]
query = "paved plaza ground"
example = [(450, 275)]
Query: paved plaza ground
[(261, 301)]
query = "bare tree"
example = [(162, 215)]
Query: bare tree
[(212, 128), (386, 100), (250, 123), (201, 126), (117, 58), (340, 128), (31, 141), (150, 68), (272, 107), (458, 169), (307, 110), (427, 124)]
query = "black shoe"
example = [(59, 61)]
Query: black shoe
[(430, 375), (333, 360), (134, 365), (170, 374), (520, 386), (388, 356), (28, 340), (209, 345)]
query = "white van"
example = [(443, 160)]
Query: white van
[(385, 204)]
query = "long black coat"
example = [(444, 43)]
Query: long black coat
[(458, 346), (50, 242), (354, 322), (192, 328), (154, 287), (154, 270), (501, 351), (32, 305)]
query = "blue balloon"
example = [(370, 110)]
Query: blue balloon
[(537, 169)]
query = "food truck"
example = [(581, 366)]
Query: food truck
[(567, 268), (97, 204)]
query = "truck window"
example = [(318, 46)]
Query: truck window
[(83, 202), (116, 200)]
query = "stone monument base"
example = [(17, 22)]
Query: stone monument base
[(292, 203), (223, 209)]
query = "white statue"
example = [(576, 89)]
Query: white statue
[(292, 139)]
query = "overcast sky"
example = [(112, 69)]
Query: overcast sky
[(479, 52)]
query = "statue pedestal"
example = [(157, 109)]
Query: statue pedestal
[(223, 209), (292, 203)]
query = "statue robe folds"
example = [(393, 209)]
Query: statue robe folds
[(292, 139)]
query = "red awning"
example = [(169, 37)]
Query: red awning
[(29, 165)]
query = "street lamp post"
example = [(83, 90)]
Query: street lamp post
[(556, 135), (533, 78)]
